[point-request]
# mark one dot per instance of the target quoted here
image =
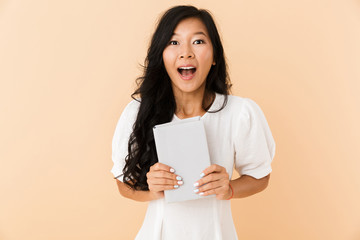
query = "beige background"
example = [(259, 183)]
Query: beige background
[(67, 69)]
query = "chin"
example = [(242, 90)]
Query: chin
[(188, 90)]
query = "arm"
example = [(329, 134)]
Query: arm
[(159, 178), (216, 181), (245, 185), (140, 196)]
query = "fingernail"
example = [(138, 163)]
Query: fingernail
[(176, 186), (196, 184), (180, 182), (201, 193), (178, 178), (172, 170), (202, 174), (196, 190)]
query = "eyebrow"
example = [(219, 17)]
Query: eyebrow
[(197, 33)]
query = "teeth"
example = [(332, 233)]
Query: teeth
[(186, 68)]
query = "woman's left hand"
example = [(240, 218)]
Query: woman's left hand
[(215, 181)]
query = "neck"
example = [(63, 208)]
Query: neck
[(191, 105)]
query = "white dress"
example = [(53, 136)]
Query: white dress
[(238, 137)]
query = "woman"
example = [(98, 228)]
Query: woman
[(185, 76)]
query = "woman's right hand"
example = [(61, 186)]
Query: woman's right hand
[(162, 177)]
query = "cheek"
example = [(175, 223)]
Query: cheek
[(169, 58), (206, 56)]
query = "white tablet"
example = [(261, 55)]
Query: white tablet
[(182, 145)]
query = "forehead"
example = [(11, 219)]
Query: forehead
[(190, 26)]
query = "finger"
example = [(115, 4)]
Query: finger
[(217, 191), (162, 187), (212, 168), (160, 166), (159, 175), (209, 178), (163, 174), (211, 185), (164, 181)]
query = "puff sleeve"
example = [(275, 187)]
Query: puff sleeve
[(254, 143), (121, 137)]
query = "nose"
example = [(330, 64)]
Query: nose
[(186, 52)]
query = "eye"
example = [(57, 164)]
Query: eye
[(199, 41), (173, 42)]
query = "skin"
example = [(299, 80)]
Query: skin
[(190, 44)]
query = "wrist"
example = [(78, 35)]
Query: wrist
[(156, 195), (231, 194)]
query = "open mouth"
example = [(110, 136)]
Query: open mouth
[(186, 71)]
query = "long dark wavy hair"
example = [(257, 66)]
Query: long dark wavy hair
[(157, 102)]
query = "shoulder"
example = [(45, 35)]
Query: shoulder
[(239, 101), (244, 112), (131, 108), (241, 106), (133, 105), (129, 114)]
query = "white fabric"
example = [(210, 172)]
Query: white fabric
[(238, 136)]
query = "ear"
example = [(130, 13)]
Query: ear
[(214, 63)]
